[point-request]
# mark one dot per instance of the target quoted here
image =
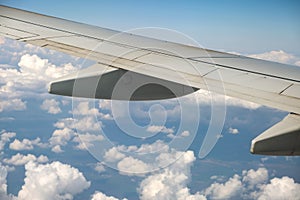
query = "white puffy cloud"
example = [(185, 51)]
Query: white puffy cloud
[(85, 108), (88, 133), (87, 140), (61, 136), (88, 123), (99, 167), (162, 129), (218, 178), (36, 69), (131, 160), (54, 181), (12, 104), (57, 149), (185, 134), (29, 78), (278, 188), (33, 75), (105, 104), (25, 144), (84, 123), (205, 98), (3, 185), (171, 182), (51, 106), (253, 184), (278, 56), (233, 130), (255, 177), (5, 137), (181, 135), (157, 109), (113, 155), (227, 190), (85, 118), (149, 148), (20, 159), (133, 167), (117, 153), (101, 196)]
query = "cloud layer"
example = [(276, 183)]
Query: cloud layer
[(54, 181)]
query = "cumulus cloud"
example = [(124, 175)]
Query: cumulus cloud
[(253, 184), (255, 177), (181, 135), (278, 188), (168, 182), (85, 118), (25, 144), (51, 106), (12, 104), (113, 155), (5, 137), (233, 130), (205, 97), (88, 123), (227, 190), (185, 134), (99, 167), (118, 153), (67, 132), (20, 159), (60, 137), (85, 108), (162, 129), (29, 78), (278, 56), (131, 160), (101, 196), (104, 104), (54, 181), (133, 167), (171, 182), (3, 183), (87, 140), (33, 74), (38, 70), (57, 149), (83, 129)]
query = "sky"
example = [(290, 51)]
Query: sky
[(54, 147)]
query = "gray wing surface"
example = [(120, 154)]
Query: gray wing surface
[(165, 69)]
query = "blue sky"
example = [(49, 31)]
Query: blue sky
[(39, 132)]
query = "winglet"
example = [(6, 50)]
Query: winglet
[(281, 139)]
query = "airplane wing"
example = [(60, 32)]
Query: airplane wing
[(132, 67)]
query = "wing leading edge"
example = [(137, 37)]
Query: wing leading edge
[(154, 63)]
